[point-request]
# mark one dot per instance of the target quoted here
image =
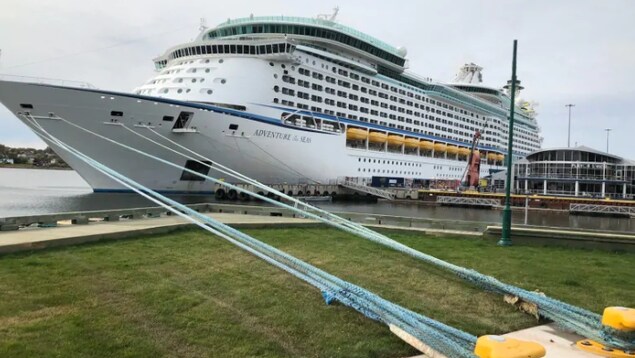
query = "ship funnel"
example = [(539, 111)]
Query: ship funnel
[(469, 73)]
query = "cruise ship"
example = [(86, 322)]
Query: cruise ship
[(282, 100)]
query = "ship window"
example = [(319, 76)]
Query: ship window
[(26, 105), (168, 118), (201, 167), (233, 127), (114, 113)]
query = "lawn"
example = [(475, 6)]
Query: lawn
[(190, 294)]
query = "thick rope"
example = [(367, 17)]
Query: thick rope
[(570, 317), (440, 337)]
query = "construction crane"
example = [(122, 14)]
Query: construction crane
[(473, 169)]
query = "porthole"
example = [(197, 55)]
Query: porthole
[(207, 70), (193, 80), (271, 64), (179, 91), (221, 61), (202, 79), (276, 89), (275, 75), (187, 90), (283, 66), (223, 81), (209, 91), (292, 68), (206, 61)]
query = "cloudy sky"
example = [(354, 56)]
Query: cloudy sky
[(580, 52)]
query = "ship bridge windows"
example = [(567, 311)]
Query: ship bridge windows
[(240, 49)]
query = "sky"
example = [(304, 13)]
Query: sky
[(580, 52)]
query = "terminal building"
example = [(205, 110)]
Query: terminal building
[(578, 171)]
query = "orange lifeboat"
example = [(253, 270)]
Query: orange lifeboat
[(491, 156), (452, 150), (464, 151), (395, 140), (440, 147), (377, 137), (426, 145), (412, 143), (500, 157), (356, 134)]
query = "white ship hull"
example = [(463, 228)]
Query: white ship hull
[(261, 147)]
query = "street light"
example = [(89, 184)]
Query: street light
[(507, 211), (607, 138), (569, 131)]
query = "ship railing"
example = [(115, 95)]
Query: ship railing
[(356, 186), (46, 81), (602, 209)]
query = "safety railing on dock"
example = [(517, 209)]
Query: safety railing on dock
[(349, 184), (602, 209), (468, 201)]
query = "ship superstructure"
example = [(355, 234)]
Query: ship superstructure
[(288, 99)]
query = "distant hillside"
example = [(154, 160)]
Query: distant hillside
[(30, 157)]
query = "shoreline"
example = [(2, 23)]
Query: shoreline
[(22, 166)]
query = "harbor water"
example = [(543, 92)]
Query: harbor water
[(35, 191)]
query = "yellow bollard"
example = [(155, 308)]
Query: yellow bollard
[(503, 347), (619, 318)]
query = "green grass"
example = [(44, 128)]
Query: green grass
[(189, 294)]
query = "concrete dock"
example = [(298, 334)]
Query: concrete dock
[(41, 238)]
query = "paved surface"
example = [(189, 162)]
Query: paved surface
[(39, 238), (557, 343)]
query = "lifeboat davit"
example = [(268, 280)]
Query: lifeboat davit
[(356, 134), (377, 137)]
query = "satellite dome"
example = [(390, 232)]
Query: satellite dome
[(402, 51)]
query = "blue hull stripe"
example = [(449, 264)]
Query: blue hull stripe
[(270, 120), (379, 127), (216, 109)]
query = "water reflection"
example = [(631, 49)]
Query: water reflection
[(29, 191)]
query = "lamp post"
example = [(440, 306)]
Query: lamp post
[(607, 138), (569, 131), (507, 211)]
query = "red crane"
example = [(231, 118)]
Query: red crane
[(473, 169)]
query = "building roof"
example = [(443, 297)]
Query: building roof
[(580, 148)]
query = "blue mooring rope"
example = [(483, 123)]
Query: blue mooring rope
[(579, 320)]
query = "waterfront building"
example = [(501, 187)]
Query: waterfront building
[(578, 171)]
